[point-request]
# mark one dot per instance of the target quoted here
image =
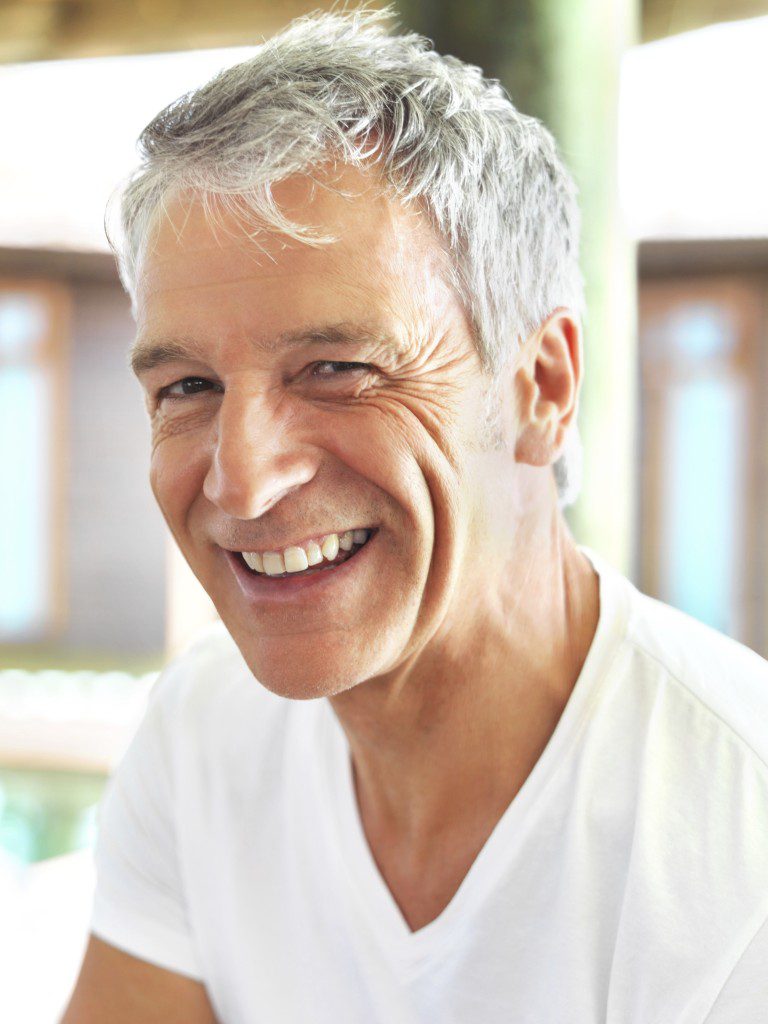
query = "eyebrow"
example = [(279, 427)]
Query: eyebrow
[(146, 354)]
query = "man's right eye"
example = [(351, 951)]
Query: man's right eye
[(185, 387)]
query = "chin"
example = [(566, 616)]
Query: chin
[(290, 674)]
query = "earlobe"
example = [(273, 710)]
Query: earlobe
[(538, 443)]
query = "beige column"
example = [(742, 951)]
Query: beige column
[(560, 61), (594, 37)]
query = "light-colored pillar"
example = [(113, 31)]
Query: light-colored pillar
[(560, 62), (594, 36)]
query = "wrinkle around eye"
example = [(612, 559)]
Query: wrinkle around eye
[(353, 381), (165, 425)]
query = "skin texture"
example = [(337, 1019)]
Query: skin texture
[(449, 655), (121, 989), (282, 457)]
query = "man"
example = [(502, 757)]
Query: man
[(438, 763)]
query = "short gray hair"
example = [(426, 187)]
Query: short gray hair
[(489, 178)]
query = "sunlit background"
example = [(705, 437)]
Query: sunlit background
[(660, 113)]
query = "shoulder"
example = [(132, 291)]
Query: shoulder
[(208, 692), (212, 665), (686, 738), (726, 680), (213, 654)]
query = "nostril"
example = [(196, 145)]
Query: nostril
[(275, 498), (245, 478)]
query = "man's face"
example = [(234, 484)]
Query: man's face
[(266, 440)]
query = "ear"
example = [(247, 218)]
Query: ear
[(547, 385)]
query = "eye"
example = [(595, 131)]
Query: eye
[(337, 369), (185, 387)]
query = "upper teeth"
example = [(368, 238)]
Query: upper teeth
[(296, 559)]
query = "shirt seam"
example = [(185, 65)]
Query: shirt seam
[(736, 963)]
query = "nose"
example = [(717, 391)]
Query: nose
[(255, 461)]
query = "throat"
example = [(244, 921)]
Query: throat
[(424, 874), (424, 885)]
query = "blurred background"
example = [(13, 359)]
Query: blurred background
[(659, 109)]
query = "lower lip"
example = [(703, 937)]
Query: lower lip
[(284, 588)]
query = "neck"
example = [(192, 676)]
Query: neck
[(441, 744)]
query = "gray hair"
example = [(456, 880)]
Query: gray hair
[(489, 178)]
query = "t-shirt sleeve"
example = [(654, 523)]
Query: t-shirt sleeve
[(139, 904), (744, 997)]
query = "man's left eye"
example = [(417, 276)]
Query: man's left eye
[(330, 368)]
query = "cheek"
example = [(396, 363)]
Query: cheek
[(376, 445), (175, 476), (420, 472)]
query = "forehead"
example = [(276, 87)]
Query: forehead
[(209, 261)]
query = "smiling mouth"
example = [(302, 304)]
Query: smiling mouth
[(317, 556)]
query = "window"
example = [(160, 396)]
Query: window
[(32, 317), (701, 499)]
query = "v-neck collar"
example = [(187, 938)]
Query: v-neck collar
[(371, 892)]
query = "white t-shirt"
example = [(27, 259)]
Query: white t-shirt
[(627, 882)]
